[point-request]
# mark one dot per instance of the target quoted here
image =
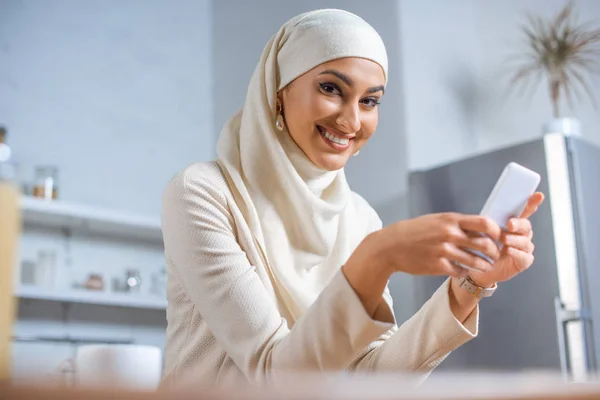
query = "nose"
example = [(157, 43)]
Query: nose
[(349, 118)]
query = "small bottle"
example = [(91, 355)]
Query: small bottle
[(10, 229), (45, 185)]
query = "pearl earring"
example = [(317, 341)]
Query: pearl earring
[(357, 152), (279, 120)]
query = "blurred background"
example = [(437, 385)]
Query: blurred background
[(102, 101)]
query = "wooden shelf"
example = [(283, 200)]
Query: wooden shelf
[(91, 297), (77, 217)]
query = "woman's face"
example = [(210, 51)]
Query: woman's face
[(332, 110)]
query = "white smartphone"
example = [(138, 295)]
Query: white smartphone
[(509, 197), (510, 194)]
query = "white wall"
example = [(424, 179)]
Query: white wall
[(115, 93), (118, 95), (452, 63)]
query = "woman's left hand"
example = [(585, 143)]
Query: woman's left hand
[(517, 253)]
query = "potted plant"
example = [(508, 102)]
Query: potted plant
[(562, 51)]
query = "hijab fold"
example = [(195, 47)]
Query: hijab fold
[(305, 220)]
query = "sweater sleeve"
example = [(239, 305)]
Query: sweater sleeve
[(334, 334), (421, 343)]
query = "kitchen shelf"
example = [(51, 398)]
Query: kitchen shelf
[(91, 297), (78, 217)]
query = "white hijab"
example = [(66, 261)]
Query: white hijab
[(305, 220)]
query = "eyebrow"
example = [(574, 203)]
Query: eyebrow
[(346, 79)]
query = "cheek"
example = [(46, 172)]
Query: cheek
[(323, 106), (317, 108), (310, 109), (302, 108), (369, 124)]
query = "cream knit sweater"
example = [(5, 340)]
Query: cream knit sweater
[(226, 322)]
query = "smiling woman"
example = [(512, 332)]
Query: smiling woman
[(276, 266)]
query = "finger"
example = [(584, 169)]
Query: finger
[(521, 226), (532, 204), (481, 244), (519, 242), (469, 260), (480, 224), (522, 259), (453, 269)]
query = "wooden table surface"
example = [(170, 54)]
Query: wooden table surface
[(530, 386)]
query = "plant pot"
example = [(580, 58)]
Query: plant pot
[(566, 126)]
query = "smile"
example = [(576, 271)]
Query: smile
[(333, 140)]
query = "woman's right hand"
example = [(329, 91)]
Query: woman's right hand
[(429, 245), (433, 244)]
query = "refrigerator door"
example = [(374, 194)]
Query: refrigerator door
[(585, 183), (518, 325)]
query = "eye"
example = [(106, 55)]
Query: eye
[(330, 88), (371, 102)]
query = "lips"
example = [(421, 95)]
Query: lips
[(334, 140)]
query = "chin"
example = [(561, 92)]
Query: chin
[(331, 162)]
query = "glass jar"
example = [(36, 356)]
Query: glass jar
[(45, 185)]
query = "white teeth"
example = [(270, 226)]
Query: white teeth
[(335, 139)]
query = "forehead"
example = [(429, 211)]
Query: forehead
[(363, 72)]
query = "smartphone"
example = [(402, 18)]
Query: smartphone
[(510, 194), (508, 198)]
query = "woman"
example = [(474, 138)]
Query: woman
[(275, 265)]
